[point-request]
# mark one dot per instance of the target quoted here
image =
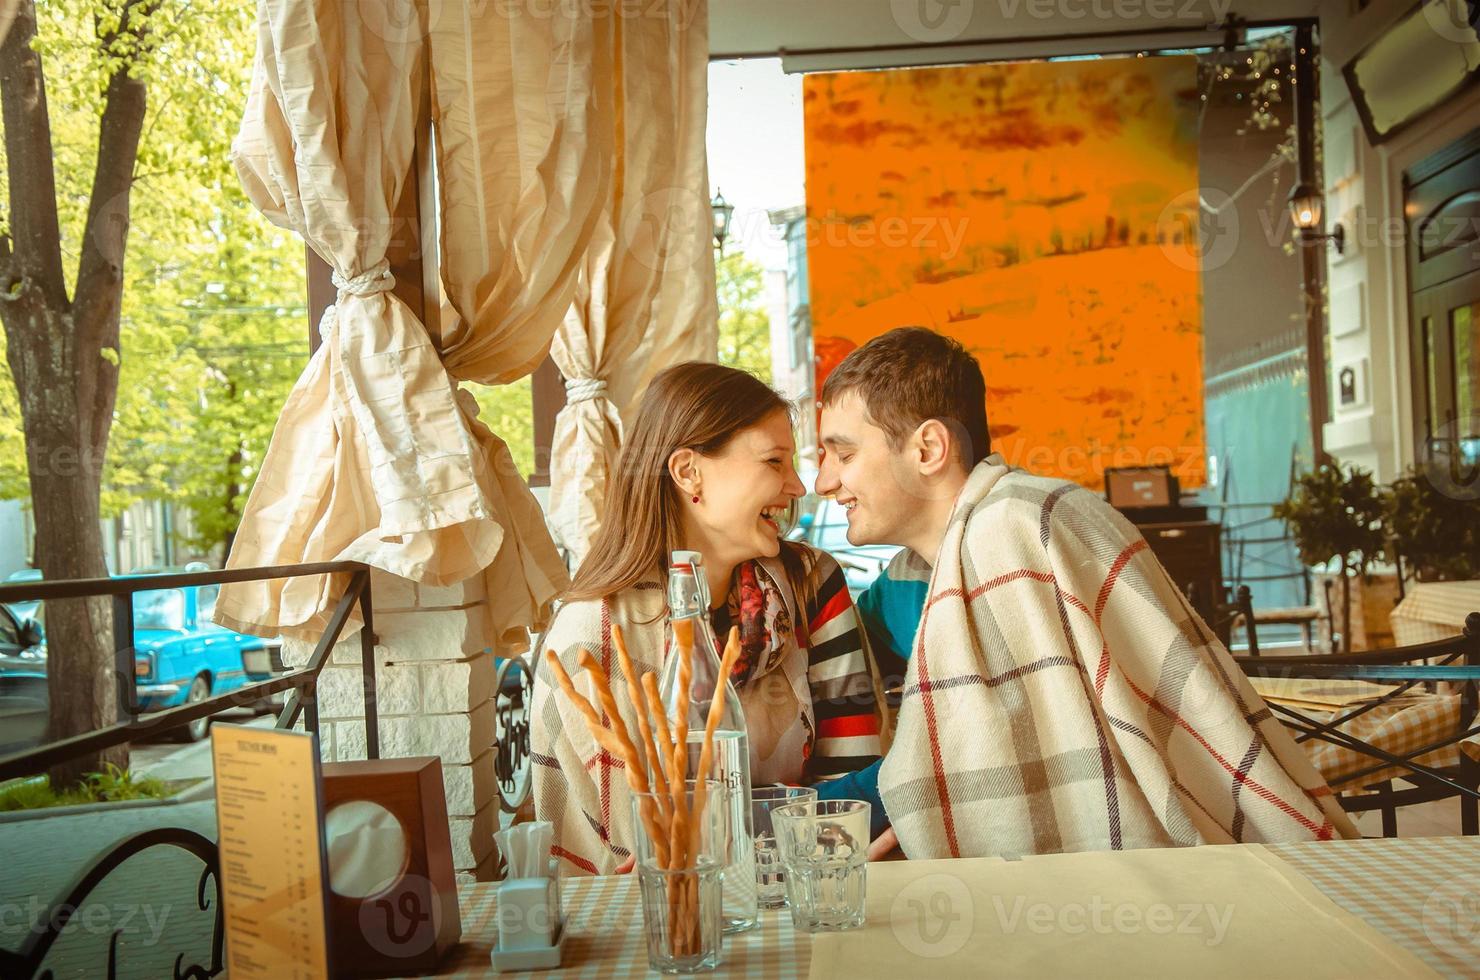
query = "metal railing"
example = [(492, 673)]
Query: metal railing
[(136, 724)]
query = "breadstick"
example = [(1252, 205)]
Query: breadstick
[(683, 633), (690, 898), (631, 754), (615, 743), (656, 777), (609, 705), (686, 817), (665, 743), (662, 736)]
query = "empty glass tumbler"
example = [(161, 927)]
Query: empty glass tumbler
[(824, 851), (769, 876)]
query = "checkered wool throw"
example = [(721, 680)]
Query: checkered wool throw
[(1063, 696)]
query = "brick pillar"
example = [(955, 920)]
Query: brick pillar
[(434, 682)]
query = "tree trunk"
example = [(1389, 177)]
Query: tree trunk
[(233, 488), (63, 353), (65, 481), (81, 678)]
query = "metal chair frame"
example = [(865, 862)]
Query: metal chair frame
[(1455, 661)]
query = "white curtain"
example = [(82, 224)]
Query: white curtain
[(645, 294), (378, 457)]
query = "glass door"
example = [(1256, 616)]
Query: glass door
[(1442, 199), (1447, 389)]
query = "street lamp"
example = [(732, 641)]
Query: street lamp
[(723, 211), (1306, 205)]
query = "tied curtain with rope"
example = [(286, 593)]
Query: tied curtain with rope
[(378, 455), (645, 294)]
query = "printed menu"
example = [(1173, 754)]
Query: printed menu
[(269, 822)]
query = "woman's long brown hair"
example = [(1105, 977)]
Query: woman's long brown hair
[(693, 405)]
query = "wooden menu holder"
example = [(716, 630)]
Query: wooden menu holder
[(408, 925)]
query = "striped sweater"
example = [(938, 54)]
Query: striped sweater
[(844, 709), (810, 702)]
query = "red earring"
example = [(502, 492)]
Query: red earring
[(696, 498)]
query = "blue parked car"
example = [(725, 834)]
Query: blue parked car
[(180, 656)]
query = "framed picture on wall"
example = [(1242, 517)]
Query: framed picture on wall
[(1351, 384)]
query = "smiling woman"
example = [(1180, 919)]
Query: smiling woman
[(710, 452), (708, 467)]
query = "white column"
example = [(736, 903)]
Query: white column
[(434, 676)]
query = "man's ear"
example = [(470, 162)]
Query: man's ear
[(935, 446), (683, 467)]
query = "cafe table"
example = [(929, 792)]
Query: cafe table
[(1381, 908)]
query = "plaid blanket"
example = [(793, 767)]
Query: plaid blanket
[(1063, 696)]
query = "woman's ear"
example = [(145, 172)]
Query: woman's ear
[(683, 467)]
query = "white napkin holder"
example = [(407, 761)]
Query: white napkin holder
[(531, 923)]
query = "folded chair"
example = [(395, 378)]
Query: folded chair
[(1414, 671)]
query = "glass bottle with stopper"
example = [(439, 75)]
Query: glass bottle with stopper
[(690, 685)]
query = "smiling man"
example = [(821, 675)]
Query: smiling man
[(1059, 694)]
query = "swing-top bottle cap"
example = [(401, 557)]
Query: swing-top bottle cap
[(686, 560), (688, 590)]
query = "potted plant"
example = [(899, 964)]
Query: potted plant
[(1435, 534), (1336, 514)]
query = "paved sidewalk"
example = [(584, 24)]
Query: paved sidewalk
[(150, 900)]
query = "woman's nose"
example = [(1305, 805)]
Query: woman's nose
[(794, 487)]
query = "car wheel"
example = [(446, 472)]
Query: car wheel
[(200, 689)]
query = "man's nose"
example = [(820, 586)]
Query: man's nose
[(827, 482)]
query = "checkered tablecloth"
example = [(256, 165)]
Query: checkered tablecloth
[(1434, 611), (1398, 728), (606, 941), (1423, 893)]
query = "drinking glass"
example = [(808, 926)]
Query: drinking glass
[(824, 849), (769, 877), (712, 825), (681, 916)]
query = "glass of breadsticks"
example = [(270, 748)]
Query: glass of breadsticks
[(682, 907), (680, 823)]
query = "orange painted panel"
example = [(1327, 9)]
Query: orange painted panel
[(1044, 214)]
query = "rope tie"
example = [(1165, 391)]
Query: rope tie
[(376, 280), (579, 390)]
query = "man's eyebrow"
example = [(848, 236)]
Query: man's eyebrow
[(778, 448), (837, 441)]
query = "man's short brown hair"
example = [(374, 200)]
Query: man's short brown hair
[(910, 375)]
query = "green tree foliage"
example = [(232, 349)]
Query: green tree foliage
[(508, 410), (1336, 514), (213, 328), (1435, 530), (744, 324)]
